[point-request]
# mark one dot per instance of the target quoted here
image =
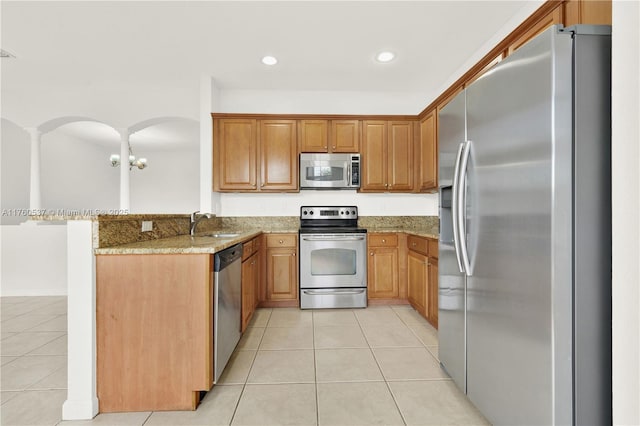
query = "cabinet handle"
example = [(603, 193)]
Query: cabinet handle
[(262, 185), (384, 241), (334, 147), (293, 254), (414, 244), (280, 241), (371, 254)]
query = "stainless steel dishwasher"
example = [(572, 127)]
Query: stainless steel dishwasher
[(227, 298)]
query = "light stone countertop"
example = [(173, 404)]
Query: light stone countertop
[(419, 232), (203, 244), (186, 244)]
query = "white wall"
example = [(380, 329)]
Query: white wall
[(77, 174), (15, 166), (233, 204), (170, 184), (34, 259), (626, 212), (320, 102)]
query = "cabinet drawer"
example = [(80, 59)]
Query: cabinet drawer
[(282, 240), (247, 249), (418, 244), (433, 248), (383, 240)]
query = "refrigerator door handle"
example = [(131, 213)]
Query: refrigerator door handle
[(461, 201), (454, 206)]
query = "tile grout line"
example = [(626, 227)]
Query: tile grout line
[(244, 385), (315, 367)]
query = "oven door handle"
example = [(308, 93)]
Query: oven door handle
[(333, 238), (329, 292)]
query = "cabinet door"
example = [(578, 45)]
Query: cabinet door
[(282, 274), (248, 290), (235, 155), (432, 314), (314, 135), (374, 156), (555, 17), (278, 155), (382, 273), (591, 12), (400, 163), (428, 153), (418, 281), (345, 136)]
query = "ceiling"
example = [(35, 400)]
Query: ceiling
[(122, 62)]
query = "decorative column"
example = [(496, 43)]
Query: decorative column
[(124, 170), (35, 198)]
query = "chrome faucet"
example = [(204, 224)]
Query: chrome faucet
[(195, 219)]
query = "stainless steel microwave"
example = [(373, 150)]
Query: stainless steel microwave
[(329, 171)]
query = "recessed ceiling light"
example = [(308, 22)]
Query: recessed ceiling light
[(385, 56), (269, 60)]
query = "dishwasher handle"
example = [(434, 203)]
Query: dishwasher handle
[(226, 257)]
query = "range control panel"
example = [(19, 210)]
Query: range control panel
[(324, 212)]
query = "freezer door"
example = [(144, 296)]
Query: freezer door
[(451, 282), (518, 232)]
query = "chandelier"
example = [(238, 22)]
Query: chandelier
[(140, 163)]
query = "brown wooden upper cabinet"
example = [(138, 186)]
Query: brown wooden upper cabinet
[(428, 154), (278, 155), (587, 12), (329, 135), (255, 155), (555, 17), (387, 156)]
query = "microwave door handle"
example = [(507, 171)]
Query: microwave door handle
[(348, 174)]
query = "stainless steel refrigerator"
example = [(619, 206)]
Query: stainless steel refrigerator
[(525, 233)]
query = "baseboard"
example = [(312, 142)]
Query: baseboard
[(85, 409)]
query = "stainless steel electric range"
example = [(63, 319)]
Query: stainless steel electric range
[(333, 264)]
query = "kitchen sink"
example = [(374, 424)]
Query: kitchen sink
[(221, 235)]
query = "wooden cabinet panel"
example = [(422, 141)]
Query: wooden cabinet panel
[(421, 245), (235, 154), (314, 135), (555, 17), (433, 248), (382, 273), (249, 289), (428, 154), (382, 240), (282, 274), (587, 12), (418, 277), (345, 135), (281, 269), (153, 314), (432, 310), (282, 240), (278, 155), (401, 158), (374, 156), (400, 162)]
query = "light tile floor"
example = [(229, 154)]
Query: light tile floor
[(329, 367)]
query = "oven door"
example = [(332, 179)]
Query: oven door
[(333, 260)]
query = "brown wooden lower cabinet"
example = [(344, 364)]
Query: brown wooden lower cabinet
[(418, 276), (250, 280), (422, 266), (386, 271), (281, 270), (153, 326)]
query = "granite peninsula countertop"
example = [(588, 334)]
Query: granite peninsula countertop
[(203, 243)]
